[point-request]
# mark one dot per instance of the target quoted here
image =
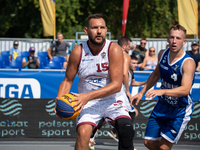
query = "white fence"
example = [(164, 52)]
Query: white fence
[(43, 44)]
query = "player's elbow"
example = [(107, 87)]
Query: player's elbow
[(117, 88), (186, 89), (132, 84), (187, 92)]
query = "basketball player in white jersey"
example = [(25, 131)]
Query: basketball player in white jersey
[(99, 64), (128, 80), (124, 43), (175, 106)]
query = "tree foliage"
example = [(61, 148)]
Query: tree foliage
[(148, 18)]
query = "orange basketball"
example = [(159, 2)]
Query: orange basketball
[(64, 107)]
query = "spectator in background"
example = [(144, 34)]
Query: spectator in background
[(31, 62), (151, 60), (194, 53), (73, 45), (132, 67), (60, 47), (140, 50), (14, 51), (167, 46)]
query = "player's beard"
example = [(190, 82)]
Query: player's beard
[(95, 42), (195, 49)]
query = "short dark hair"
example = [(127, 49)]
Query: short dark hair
[(143, 38), (123, 40), (178, 27), (94, 16), (134, 57)]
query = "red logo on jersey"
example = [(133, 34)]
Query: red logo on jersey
[(103, 54), (118, 103)]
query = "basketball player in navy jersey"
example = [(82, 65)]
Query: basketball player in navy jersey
[(99, 64), (174, 108)]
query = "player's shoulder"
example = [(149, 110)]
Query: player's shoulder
[(76, 52), (188, 65), (115, 47), (161, 52), (189, 60), (127, 56), (115, 51)]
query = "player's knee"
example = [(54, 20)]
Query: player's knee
[(164, 147), (125, 132), (151, 144), (146, 143), (83, 132)]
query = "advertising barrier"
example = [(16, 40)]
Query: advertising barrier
[(27, 103), (35, 118)]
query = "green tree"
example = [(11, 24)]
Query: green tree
[(151, 18), (20, 18), (148, 18)]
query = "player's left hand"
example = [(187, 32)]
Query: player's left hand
[(136, 99), (81, 99), (151, 94), (55, 108), (129, 95)]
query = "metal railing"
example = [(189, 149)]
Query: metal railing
[(43, 44)]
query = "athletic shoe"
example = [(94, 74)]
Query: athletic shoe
[(113, 135), (91, 145)]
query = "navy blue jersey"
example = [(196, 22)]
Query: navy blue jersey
[(171, 77)]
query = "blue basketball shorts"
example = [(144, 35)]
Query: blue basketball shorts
[(168, 122)]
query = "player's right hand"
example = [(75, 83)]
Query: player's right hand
[(135, 99)]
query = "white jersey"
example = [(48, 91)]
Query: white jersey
[(129, 81), (93, 70), (126, 99), (130, 77), (93, 74)]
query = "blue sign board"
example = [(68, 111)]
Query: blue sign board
[(45, 84)]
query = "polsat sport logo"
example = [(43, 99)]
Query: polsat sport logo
[(10, 107), (147, 107), (50, 107)]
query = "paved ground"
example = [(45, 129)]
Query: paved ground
[(68, 144)]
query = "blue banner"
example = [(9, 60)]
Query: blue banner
[(45, 84), (32, 84)]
